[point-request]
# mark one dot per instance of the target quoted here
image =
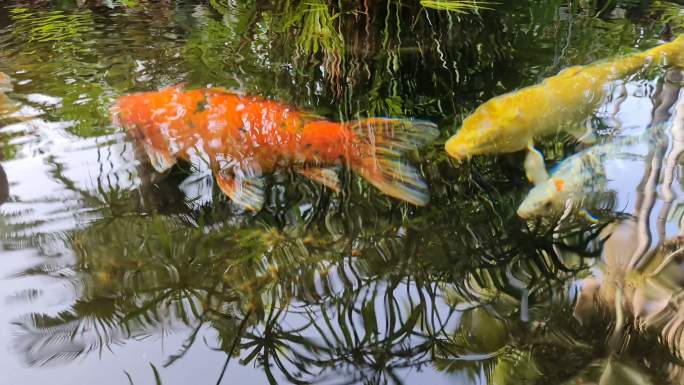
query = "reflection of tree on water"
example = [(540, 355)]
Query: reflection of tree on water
[(638, 285), (138, 280), (307, 291), (316, 284), (320, 284)]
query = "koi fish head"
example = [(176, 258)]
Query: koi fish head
[(143, 112), (545, 198), (5, 82), (156, 120), (467, 141), (487, 130)]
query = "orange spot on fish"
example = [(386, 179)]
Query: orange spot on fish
[(559, 183)]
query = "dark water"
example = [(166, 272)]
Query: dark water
[(111, 273)]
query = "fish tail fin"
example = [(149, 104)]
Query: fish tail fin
[(382, 144)]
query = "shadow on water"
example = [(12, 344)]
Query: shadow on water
[(116, 270), (4, 186)]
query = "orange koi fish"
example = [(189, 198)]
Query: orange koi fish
[(245, 137), (6, 105)]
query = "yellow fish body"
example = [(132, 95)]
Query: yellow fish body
[(509, 122)]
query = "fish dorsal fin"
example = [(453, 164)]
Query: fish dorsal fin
[(241, 181), (534, 165), (325, 176)]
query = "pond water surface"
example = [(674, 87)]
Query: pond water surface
[(112, 273)]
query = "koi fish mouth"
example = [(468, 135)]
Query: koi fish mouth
[(523, 213), (456, 149)]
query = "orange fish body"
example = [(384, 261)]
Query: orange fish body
[(6, 105), (245, 137)]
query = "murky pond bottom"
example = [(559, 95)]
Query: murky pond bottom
[(114, 273)]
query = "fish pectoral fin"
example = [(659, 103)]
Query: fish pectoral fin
[(161, 160), (535, 170), (243, 183), (588, 137), (326, 176), (584, 133)]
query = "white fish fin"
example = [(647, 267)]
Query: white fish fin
[(326, 176), (242, 182), (588, 137), (161, 160), (534, 165), (584, 133)]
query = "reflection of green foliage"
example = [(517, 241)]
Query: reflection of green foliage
[(54, 26), (209, 48), (7, 150), (317, 31), (87, 104), (379, 286), (61, 63), (324, 44), (153, 272), (458, 6), (130, 3)]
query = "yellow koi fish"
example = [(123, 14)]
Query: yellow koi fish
[(509, 122)]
